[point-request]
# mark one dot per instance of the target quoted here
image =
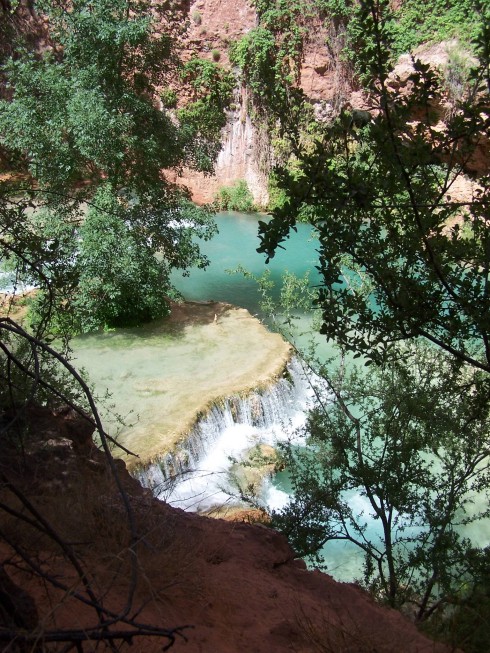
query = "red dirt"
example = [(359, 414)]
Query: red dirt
[(237, 585)]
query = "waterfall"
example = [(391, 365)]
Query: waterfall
[(240, 156), (196, 475)]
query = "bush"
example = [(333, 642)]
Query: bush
[(235, 198), (216, 55), (457, 73), (277, 196), (444, 20), (168, 98)]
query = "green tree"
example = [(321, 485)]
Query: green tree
[(400, 258), (235, 198), (402, 261), (82, 116), (93, 223), (407, 440), (444, 20), (394, 459), (112, 274), (467, 625)]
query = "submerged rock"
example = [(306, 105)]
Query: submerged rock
[(162, 375)]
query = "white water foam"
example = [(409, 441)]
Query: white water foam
[(197, 476)]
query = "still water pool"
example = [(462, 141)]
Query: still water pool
[(236, 245)]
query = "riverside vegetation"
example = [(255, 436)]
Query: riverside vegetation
[(87, 216), (92, 221), (402, 262), (93, 144)]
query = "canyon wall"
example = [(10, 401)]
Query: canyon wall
[(324, 77), (213, 25)]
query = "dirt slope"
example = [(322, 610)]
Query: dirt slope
[(236, 585)]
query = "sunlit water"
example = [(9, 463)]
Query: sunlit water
[(236, 245), (148, 369), (197, 475)]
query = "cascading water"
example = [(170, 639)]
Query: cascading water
[(196, 477)]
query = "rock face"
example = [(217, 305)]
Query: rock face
[(214, 24), (326, 80), (239, 158), (438, 57), (235, 586)]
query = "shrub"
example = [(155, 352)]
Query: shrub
[(235, 198), (446, 19), (277, 196), (216, 55), (457, 73), (168, 98)]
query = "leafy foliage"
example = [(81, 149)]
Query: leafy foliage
[(203, 118), (402, 261), (85, 113), (82, 124), (112, 267), (467, 625), (378, 190), (270, 55), (405, 439), (444, 19), (254, 54), (269, 58), (88, 217), (413, 22), (235, 198)]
